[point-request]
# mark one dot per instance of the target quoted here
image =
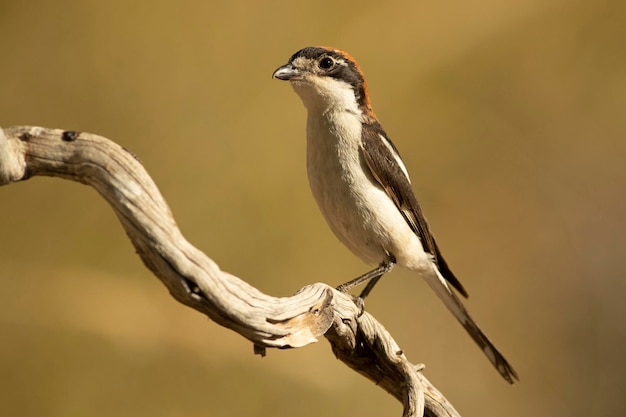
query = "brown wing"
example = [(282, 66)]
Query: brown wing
[(384, 162)]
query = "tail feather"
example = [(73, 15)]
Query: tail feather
[(438, 283)]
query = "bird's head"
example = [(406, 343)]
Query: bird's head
[(326, 79)]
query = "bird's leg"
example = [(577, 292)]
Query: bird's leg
[(389, 262), (369, 287), (372, 276)]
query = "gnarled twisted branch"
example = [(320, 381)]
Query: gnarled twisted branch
[(195, 280)]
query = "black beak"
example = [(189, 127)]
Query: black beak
[(286, 72)]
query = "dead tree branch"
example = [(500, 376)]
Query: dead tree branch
[(195, 280)]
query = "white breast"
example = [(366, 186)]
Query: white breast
[(355, 207)]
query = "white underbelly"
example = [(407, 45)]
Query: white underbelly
[(355, 207)]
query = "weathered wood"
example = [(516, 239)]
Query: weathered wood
[(195, 280)]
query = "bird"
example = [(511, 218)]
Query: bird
[(362, 186)]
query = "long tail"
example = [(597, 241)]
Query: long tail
[(453, 303)]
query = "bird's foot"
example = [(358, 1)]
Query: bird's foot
[(372, 276)]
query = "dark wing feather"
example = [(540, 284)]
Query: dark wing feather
[(384, 167)]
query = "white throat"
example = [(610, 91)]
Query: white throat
[(325, 94)]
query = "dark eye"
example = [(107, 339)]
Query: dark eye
[(326, 63)]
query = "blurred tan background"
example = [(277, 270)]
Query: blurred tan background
[(510, 117)]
